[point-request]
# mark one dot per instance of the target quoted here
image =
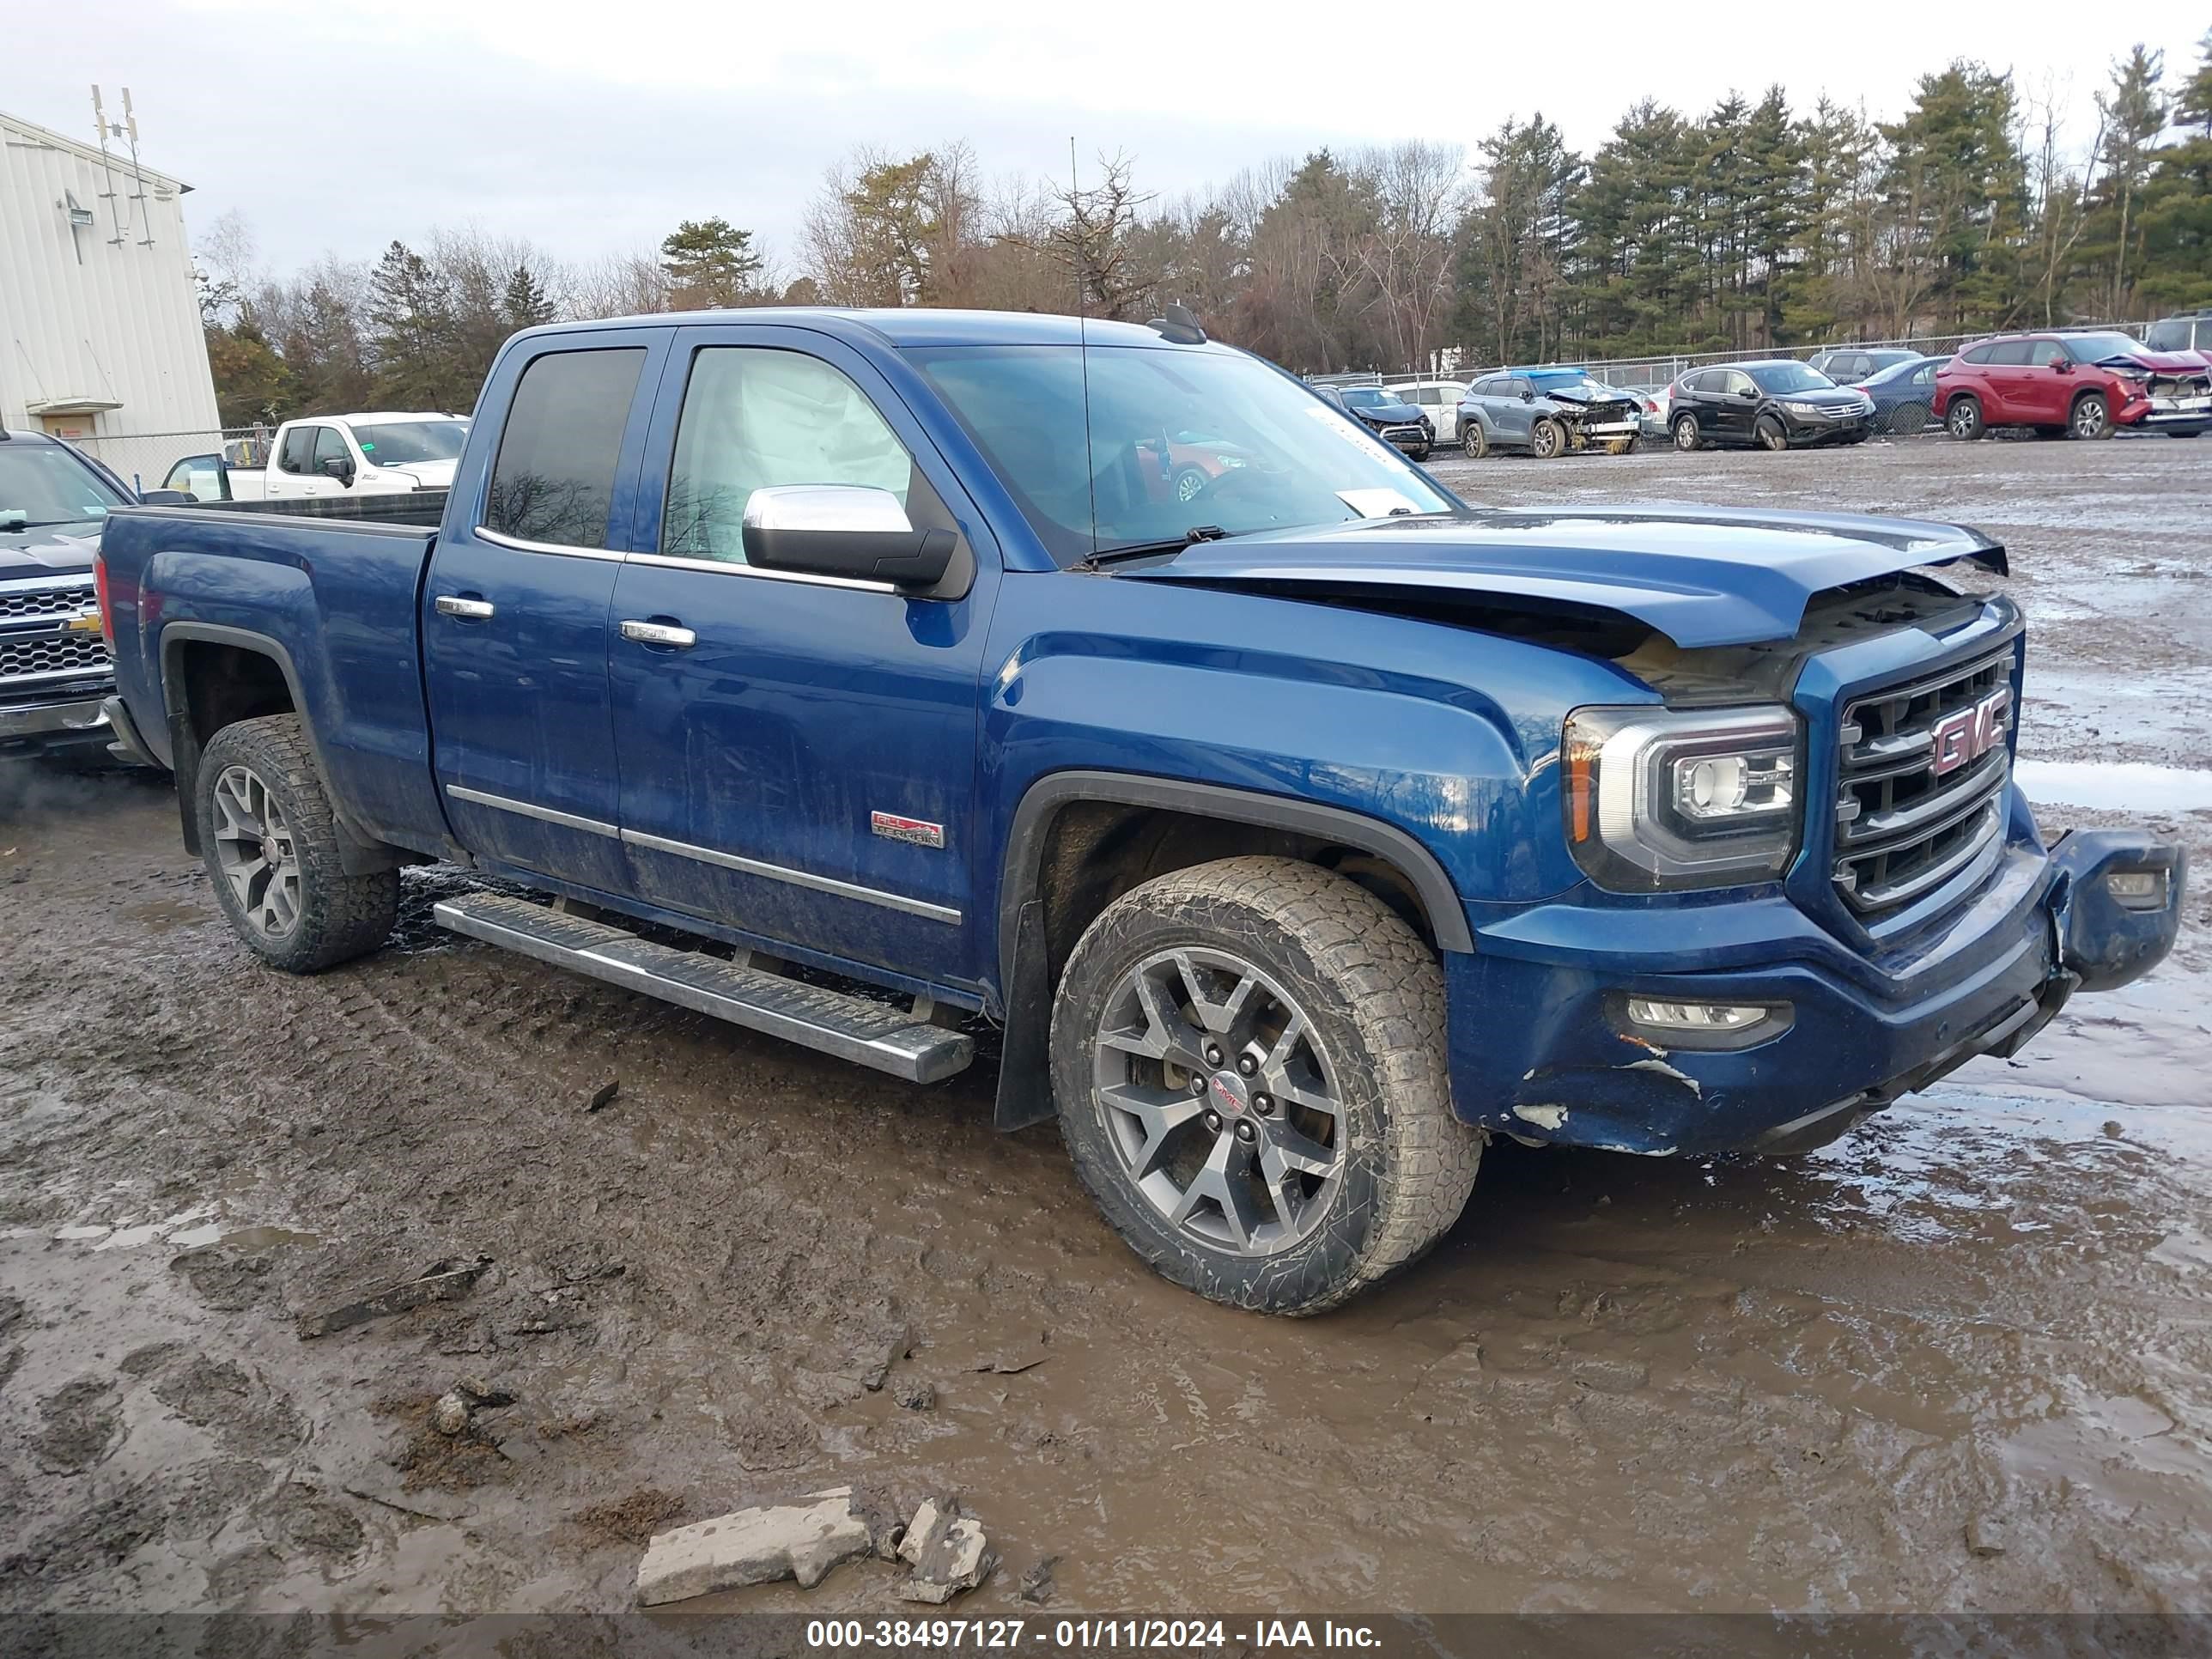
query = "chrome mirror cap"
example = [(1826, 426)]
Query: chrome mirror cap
[(843, 509)]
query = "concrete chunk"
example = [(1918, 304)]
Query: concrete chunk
[(753, 1547), (949, 1555)]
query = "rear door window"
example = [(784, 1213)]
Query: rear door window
[(2011, 354), (554, 481)]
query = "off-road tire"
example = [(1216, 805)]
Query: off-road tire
[(1772, 435), (1687, 438), (1909, 419), (1373, 996), (2091, 416), (1547, 431), (1963, 419), (340, 916)]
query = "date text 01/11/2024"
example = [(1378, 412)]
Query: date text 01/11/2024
[(1292, 1635)]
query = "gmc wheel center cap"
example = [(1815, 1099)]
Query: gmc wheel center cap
[(1229, 1094)]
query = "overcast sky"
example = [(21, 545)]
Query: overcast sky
[(592, 127)]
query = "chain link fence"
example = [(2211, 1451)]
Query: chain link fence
[(142, 459)]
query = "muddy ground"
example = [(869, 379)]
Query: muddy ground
[(1961, 1360)]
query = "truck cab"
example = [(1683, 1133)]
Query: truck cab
[(375, 454)]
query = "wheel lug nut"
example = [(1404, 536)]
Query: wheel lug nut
[(1197, 1085), (1213, 1055), (1247, 1065), (1246, 1132), (1213, 1121), (1264, 1104)]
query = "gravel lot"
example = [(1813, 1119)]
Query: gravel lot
[(1962, 1359)]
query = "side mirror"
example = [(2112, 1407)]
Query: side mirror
[(166, 498), (1528, 395), (850, 531), (338, 467), (1749, 394), (2060, 360)]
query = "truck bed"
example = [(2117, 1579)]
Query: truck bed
[(424, 508), (332, 596)]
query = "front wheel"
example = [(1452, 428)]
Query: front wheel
[(1963, 421), (1189, 484), (271, 844), (2092, 416), (1546, 438), (1771, 434), (1686, 436), (1248, 1060)]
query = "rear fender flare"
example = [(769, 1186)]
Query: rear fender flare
[(359, 854)]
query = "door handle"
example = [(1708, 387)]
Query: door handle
[(653, 633), (452, 605)]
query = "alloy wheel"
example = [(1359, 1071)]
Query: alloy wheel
[(1219, 1101), (2090, 418), (255, 850)]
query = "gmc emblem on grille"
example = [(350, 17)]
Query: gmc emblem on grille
[(1969, 734)]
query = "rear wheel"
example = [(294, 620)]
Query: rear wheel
[(1476, 441), (271, 846), (1686, 436), (1907, 420), (1248, 1064), (1771, 434), (2092, 416), (1963, 420), (1546, 438)]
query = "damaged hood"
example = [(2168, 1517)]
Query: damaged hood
[(1701, 575)]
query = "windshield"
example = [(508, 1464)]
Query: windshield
[(40, 484), (1790, 377), (2095, 348), (1370, 396), (1173, 441), (404, 443)]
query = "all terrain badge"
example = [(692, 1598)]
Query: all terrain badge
[(919, 832)]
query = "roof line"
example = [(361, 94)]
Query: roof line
[(49, 139)]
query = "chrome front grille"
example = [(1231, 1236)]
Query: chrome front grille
[(50, 656), (1922, 777), (25, 603)]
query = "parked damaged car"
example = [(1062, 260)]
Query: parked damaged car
[(2088, 383), (1547, 412)]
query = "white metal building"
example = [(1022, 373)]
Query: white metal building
[(99, 321)]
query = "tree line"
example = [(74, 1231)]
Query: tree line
[(1751, 225)]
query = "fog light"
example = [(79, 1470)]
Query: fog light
[(2138, 890), (1695, 1016)]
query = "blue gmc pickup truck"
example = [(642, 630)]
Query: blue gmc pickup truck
[(851, 675)]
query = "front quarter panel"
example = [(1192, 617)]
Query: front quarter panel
[(1456, 741)]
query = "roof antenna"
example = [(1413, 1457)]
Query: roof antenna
[(1074, 192)]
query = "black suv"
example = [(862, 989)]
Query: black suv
[(1391, 417), (1779, 405), (1850, 365)]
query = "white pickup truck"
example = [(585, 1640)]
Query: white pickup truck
[(388, 454)]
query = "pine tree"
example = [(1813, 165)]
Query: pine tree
[(2133, 111), (412, 337), (710, 264), (525, 304)]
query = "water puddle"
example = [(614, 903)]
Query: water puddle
[(2117, 785)]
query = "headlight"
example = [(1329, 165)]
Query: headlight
[(1659, 798), (1798, 408), (1229, 460)]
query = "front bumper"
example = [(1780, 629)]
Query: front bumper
[(1541, 1046), (1821, 429), (42, 728)]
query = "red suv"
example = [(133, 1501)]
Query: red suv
[(2088, 383)]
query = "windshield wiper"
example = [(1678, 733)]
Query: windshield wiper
[(1190, 537)]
